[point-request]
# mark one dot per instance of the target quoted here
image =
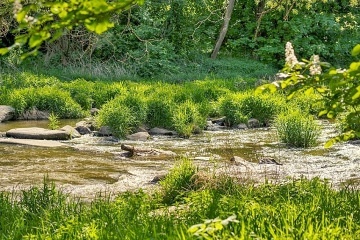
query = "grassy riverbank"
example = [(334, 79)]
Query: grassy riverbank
[(127, 105), (187, 205)]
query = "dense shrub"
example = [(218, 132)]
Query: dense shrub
[(117, 116), (106, 91), (81, 91), (160, 112), (180, 180), (186, 119), (46, 98), (123, 114), (239, 107), (297, 129)]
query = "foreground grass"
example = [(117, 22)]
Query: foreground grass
[(299, 209)]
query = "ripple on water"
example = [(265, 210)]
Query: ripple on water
[(93, 165)]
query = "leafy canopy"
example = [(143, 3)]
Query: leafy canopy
[(340, 89), (45, 20)]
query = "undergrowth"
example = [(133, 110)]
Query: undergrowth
[(187, 205)]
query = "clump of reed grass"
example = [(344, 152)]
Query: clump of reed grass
[(178, 181), (297, 129)]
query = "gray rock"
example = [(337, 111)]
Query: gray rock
[(241, 126), (33, 114), (33, 142), (88, 123), (161, 131), (104, 131), (71, 131), (158, 178), (269, 161), (83, 130), (139, 136), (38, 133), (253, 123), (6, 113), (215, 127), (220, 121)]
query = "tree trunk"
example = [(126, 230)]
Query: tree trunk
[(224, 28)]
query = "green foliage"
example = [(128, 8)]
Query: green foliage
[(105, 91), (53, 121), (117, 116), (82, 92), (180, 180), (297, 129), (186, 119), (47, 21), (240, 107), (160, 112), (45, 98), (212, 228), (338, 87), (230, 107), (297, 209)]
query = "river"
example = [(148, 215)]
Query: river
[(92, 165)]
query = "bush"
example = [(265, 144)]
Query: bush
[(117, 116), (262, 107), (187, 119), (104, 92), (179, 180), (297, 129), (230, 106), (82, 92), (160, 112), (123, 114), (46, 98), (238, 108)]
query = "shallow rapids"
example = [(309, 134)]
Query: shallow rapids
[(90, 165)]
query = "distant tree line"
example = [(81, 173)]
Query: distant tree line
[(157, 35)]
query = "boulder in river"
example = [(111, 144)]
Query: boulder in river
[(33, 114), (6, 113), (139, 136), (71, 131), (161, 131), (38, 133)]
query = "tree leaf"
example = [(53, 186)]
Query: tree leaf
[(4, 51), (323, 112), (357, 94), (20, 16), (356, 50)]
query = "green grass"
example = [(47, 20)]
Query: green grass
[(297, 129), (202, 207)]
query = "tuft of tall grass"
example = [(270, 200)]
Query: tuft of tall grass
[(179, 181), (297, 129), (186, 119), (239, 107), (227, 209)]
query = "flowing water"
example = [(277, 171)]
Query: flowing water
[(90, 165)]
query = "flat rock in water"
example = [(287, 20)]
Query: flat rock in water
[(38, 133), (33, 142)]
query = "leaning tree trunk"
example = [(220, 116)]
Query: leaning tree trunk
[(224, 28)]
